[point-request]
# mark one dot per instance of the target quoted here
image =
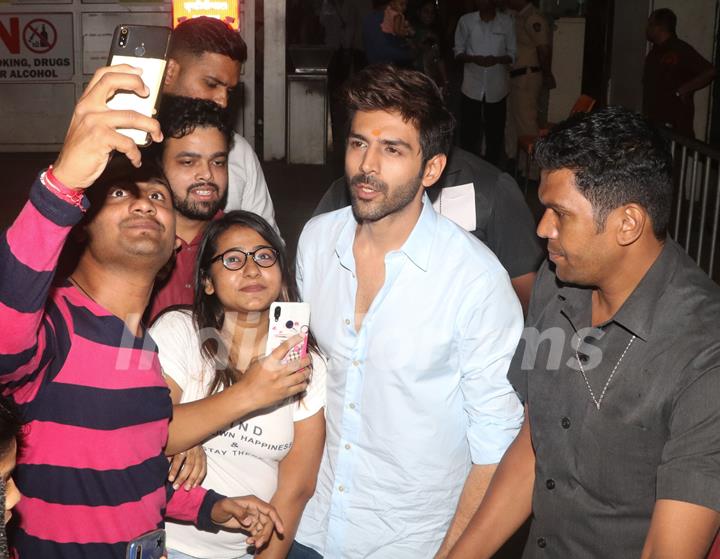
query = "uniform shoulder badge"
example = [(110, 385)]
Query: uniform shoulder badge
[(537, 27)]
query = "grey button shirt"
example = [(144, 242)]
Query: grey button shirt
[(657, 432)]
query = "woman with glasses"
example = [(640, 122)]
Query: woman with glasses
[(272, 446)]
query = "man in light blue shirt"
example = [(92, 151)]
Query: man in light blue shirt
[(419, 322)]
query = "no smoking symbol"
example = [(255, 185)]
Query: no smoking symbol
[(39, 36)]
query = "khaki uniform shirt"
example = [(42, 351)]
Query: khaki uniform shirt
[(532, 31)]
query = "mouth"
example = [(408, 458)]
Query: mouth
[(364, 191), (253, 288), (205, 192), (142, 224)]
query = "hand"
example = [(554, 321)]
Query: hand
[(188, 468), (93, 136), (268, 380), (486, 61), (249, 514)]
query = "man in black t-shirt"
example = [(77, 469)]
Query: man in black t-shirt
[(673, 72)]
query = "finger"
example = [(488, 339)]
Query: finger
[(281, 351), (117, 68), (175, 467), (109, 84), (195, 471), (271, 514), (297, 378), (299, 363), (130, 119)]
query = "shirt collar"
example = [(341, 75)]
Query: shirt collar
[(637, 312), (417, 247)]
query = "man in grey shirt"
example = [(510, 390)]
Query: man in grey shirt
[(484, 201), (619, 455)]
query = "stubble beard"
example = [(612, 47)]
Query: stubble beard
[(388, 204), (201, 211)]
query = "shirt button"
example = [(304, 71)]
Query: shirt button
[(356, 363), (550, 484), (352, 406), (565, 422), (188, 285), (347, 446), (341, 488), (347, 322), (541, 543)]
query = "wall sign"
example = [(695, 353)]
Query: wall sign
[(36, 47)]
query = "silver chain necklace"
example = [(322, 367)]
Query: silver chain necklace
[(597, 401)]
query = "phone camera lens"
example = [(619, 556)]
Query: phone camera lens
[(123, 30)]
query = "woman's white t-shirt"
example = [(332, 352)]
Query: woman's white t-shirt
[(242, 459)]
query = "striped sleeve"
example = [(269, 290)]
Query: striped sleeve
[(29, 252)]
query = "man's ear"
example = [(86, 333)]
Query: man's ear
[(433, 169), (171, 72), (632, 221)]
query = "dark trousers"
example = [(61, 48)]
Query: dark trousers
[(478, 117), (300, 551)]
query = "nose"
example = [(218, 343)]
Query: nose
[(204, 171), (221, 97), (370, 162), (142, 204), (547, 229), (251, 269)]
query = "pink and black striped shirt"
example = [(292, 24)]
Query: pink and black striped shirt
[(92, 469)]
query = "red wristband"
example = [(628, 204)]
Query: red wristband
[(51, 182)]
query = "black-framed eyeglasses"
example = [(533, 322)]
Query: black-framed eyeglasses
[(235, 258)]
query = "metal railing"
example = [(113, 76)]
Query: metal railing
[(695, 219)]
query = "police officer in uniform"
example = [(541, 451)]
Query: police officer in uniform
[(531, 71)]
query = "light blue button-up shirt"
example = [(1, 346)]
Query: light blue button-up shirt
[(415, 396)]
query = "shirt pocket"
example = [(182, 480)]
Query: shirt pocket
[(498, 42), (618, 461)]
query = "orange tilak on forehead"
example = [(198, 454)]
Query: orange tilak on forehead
[(375, 132)]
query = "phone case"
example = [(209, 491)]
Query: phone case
[(287, 320), (143, 46), (147, 546)]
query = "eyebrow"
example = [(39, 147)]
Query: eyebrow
[(218, 80), (385, 142)]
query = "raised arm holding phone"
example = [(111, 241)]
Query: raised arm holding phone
[(96, 407)]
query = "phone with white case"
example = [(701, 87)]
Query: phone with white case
[(288, 320)]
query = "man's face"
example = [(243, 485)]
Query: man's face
[(580, 253), (484, 4), (135, 225), (209, 76), (196, 168), (383, 165)]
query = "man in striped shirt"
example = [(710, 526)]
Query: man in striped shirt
[(76, 358)]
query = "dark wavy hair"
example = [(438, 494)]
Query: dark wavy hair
[(198, 35), (383, 87), (180, 116), (618, 158), (207, 310), (10, 430)]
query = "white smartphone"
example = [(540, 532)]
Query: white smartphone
[(286, 321), (142, 46)]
